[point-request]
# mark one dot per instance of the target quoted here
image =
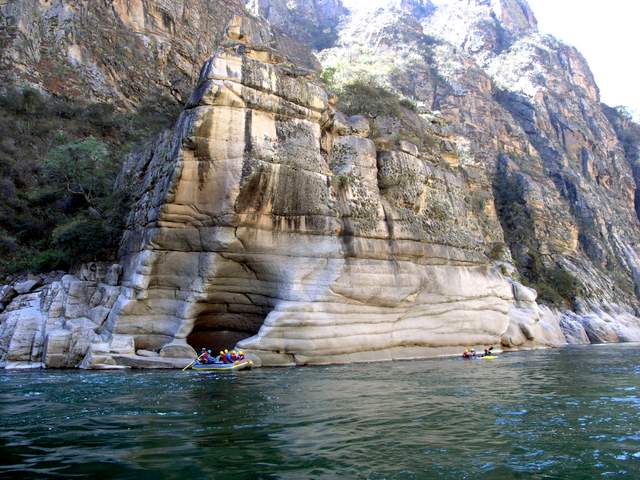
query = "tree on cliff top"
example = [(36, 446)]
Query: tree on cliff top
[(82, 168)]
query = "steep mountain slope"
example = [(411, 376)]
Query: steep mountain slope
[(120, 51), (531, 110), (108, 74), (473, 155)]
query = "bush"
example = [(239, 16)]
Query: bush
[(566, 285), (84, 238), (555, 285), (49, 260), (408, 104), (498, 251), (341, 181), (364, 97), (7, 242), (328, 77), (82, 168), (102, 116), (27, 101)]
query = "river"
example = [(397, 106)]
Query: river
[(569, 413)]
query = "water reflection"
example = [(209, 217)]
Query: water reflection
[(570, 413)]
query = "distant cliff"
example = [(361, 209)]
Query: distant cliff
[(441, 175), (119, 51)]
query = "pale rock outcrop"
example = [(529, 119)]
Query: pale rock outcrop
[(532, 136), (56, 322), (532, 325), (270, 219)]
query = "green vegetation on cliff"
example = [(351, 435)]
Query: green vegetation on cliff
[(58, 163), (364, 96)]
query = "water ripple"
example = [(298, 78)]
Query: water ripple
[(570, 413)]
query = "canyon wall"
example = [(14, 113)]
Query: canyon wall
[(268, 219), (124, 52)]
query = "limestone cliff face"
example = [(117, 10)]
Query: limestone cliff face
[(269, 219), (315, 22), (295, 231)]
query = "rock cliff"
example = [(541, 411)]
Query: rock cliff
[(118, 51), (542, 146), (269, 219)]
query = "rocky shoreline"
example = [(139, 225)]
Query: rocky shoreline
[(50, 322)]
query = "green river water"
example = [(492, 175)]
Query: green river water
[(571, 413)]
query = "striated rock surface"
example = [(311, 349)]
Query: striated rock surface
[(313, 22), (270, 220), (297, 234)]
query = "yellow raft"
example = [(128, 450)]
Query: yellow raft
[(222, 367)]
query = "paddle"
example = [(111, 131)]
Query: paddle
[(191, 364)]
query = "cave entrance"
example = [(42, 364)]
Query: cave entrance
[(218, 330)]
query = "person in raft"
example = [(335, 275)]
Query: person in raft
[(204, 356), (232, 356), (488, 352), (469, 353)]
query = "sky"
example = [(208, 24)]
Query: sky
[(607, 32), (608, 35)]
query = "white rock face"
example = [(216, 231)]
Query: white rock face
[(271, 219), (56, 324)]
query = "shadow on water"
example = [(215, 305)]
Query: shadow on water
[(569, 413)]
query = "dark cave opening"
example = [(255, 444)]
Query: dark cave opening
[(216, 340), (218, 330)]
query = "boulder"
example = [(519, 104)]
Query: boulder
[(598, 330), (178, 349), (524, 294), (26, 286), (147, 353), (573, 329)]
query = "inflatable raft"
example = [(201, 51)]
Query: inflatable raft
[(481, 357), (222, 367)]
